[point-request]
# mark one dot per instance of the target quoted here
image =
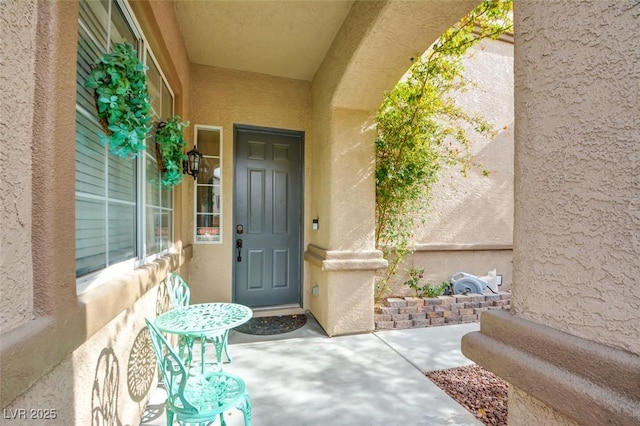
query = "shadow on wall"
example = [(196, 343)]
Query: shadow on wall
[(477, 209), (104, 398), (496, 201), (163, 303), (355, 201), (141, 366), (152, 412)]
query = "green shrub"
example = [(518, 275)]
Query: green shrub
[(415, 275), (427, 290), (434, 290)]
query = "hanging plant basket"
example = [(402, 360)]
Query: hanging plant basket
[(161, 166), (122, 101), (104, 123), (170, 142)]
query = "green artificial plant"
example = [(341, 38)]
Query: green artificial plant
[(122, 101), (170, 143)]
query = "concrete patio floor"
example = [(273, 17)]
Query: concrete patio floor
[(306, 378)]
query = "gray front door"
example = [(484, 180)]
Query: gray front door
[(267, 217)]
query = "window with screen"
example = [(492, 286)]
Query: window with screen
[(123, 215)]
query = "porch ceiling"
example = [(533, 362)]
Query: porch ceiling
[(280, 38)]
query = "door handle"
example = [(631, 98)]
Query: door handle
[(239, 250)]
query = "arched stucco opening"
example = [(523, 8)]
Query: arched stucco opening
[(466, 222), (370, 53), (375, 46)]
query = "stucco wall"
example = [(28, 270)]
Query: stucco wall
[(221, 97), (106, 380), (51, 338), (17, 50), (440, 265), (525, 411), (577, 199), (468, 223), (479, 209), (577, 204)]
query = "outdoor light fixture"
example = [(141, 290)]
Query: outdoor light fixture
[(191, 166)]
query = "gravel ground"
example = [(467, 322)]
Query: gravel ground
[(481, 392)]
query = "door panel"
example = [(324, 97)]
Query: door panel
[(256, 200), (280, 202), (268, 205), (255, 268), (281, 268)]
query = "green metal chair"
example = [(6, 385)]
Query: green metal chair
[(197, 399), (180, 295), (179, 292)]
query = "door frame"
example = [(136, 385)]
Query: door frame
[(271, 131)]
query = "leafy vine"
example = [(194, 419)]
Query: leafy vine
[(421, 130)]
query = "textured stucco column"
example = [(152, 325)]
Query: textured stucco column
[(344, 274), (343, 300), (18, 33), (570, 346)]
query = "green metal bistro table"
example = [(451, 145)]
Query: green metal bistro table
[(206, 321)]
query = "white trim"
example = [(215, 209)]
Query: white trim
[(93, 280), (196, 128)]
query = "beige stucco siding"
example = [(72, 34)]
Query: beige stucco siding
[(577, 208), (350, 176), (18, 34), (223, 98), (525, 410)]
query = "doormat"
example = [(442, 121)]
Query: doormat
[(266, 326)]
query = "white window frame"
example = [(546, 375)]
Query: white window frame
[(195, 187), (148, 54)]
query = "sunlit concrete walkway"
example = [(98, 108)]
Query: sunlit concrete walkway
[(306, 378)]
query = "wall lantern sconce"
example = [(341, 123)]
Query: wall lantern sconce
[(191, 166)]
